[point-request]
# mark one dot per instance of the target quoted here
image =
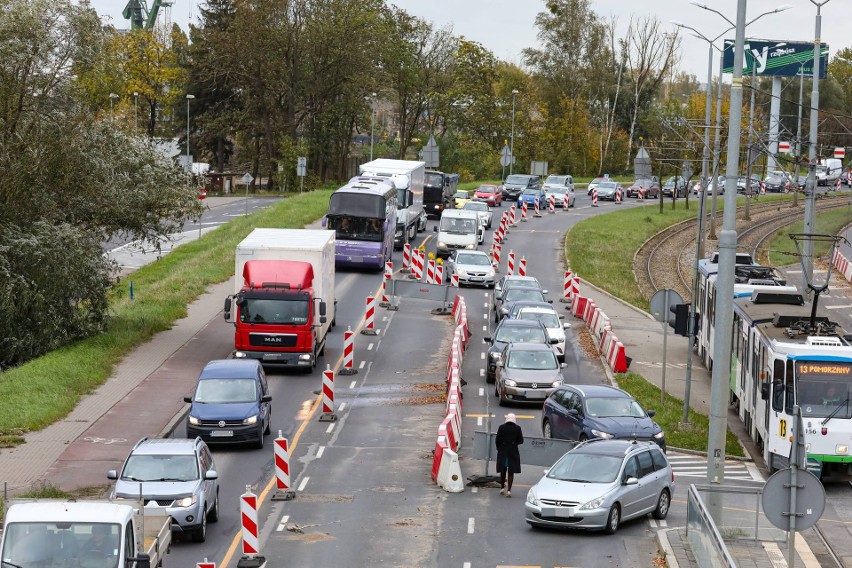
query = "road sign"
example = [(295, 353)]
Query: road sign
[(840, 153), (506, 157), (784, 147), (301, 166), (810, 499), (661, 301), (431, 153), (538, 168), (247, 179), (201, 193)]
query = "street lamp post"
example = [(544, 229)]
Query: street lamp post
[(188, 163), (112, 97), (512, 143), (135, 113), (810, 186), (372, 122)]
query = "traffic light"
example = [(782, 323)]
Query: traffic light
[(681, 319)]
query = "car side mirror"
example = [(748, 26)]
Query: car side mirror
[(266, 398), (631, 481), (554, 341), (566, 325), (112, 474), (322, 308), (764, 391), (573, 411), (487, 338), (550, 301), (211, 474), (187, 399), (544, 291), (562, 365), (141, 560), (546, 471), (652, 413)]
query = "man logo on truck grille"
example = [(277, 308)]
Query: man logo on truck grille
[(274, 339)]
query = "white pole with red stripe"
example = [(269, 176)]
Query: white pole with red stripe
[(370, 317), (348, 353), (430, 272), (595, 197), (618, 195), (551, 205), (248, 522), (388, 275), (206, 564), (406, 257), (566, 287), (639, 193), (439, 274), (522, 267), (524, 212), (283, 489), (510, 269), (513, 220), (328, 414), (454, 280), (537, 212), (498, 248)]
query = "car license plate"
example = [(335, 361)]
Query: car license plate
[(222, 434), (272, 356), (535, 394), (476, 279), (356, 259), (564, 512)]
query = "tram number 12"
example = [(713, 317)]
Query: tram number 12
[(782, 428)]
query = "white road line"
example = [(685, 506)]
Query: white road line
[(384, 318), (663, 523), (303, 483), (485, 305), (484, 328), (320, 451), (330, 428), (370, 347), (361, 366), (282, 524), (482, 372), (470, 523), (481, 391), (485, 316), (352, 384), (341, 407), (653, 523), (467, 564), (479, 420), (482, 356), (844, 306), (474, 489)]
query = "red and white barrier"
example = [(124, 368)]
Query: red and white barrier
[(205, 564), (388, 275), (430, 272), (416, 264), (454, 280), (498, 248), (575, 286), (551, 205), (449, 473), (406, 257), (578, 306), (595, 197), (522, 267), (590, 310), (370, 317), (512, 219), (618, 196), (510, 268), (283, 489), (566, 286), (524, 212), (617, 359), (328, 391), (439, 274), (447, 428), (537, 211), (248, 515), (348, 353), (639, 193), (437, 456)]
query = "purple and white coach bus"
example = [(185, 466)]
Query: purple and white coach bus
[(363, 213)]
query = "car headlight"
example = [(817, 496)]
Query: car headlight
[(842, 449), (442, 245), (556, 383), (509, 382), (398, 234), (532, 498), (194, 421), (490, 273), (495, 356), (187, 501), (604, 435), (660, 435), (471, 247), (593, 504), (251, 420), (461, 271)]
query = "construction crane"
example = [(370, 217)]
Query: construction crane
[(140, 17)]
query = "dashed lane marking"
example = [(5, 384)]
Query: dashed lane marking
[(342, 406), (282, 524), (320, 451), (352, 384), (529, 416), (370, 347), (303, 483), (844, 306), (363, 362), (470, 525), (330, 428), (481, 391)]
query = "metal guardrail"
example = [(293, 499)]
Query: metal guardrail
[(707, 543)]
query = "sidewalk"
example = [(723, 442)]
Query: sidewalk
[(642, 337)]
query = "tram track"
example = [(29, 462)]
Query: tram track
[(652, 265)]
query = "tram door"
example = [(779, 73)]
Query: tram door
[(781, 405)]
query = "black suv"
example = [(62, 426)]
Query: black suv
[(515, 185)]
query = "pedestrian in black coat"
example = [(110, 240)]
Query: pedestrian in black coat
[(509, 437)]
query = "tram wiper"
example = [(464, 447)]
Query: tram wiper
[(835, 411)]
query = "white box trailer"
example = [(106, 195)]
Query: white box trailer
[(294, 342), (58, 532), (409, 176)]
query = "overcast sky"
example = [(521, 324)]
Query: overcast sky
[(506, 27)]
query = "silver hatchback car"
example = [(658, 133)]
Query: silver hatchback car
[(601, 483)]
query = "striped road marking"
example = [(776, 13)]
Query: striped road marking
[(686, 465)]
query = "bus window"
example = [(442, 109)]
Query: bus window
[(790, 388), (778, 386)]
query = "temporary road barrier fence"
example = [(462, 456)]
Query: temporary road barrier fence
[(595, 197), (537, 211), (328, 414), (566, 286), (510, 266), (370, 317), (406, 257), (551, 205), (449, 473), (439, 274), (522, 267), (437, 456), (283, 490), (454, 281), (388, 275), (348, 353), (430, 272), (248, 516)]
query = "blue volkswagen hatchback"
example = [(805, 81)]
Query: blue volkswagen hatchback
[(232, 404), (585, 412)]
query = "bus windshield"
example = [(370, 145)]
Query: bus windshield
[(356, 228)]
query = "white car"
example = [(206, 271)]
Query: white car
[(472, 267), (562, 190), (483, 211), (555, 328)]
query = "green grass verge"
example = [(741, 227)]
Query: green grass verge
[(46, 389), (783, 249), (669, 416)]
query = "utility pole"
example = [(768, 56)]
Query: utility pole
[(799, 134), (717, 151), (749, 149)]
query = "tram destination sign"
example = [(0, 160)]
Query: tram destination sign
[(823, 369), (779, 58)]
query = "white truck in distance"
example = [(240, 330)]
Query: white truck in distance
[(409, 176), (59, 533)]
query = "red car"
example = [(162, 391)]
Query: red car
[(650, 188), (490, 194)]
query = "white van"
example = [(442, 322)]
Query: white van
[(828, 171), (458, 229)]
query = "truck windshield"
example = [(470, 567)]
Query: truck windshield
[(274, 312), (434, 180), (61, 544), (356, 228)]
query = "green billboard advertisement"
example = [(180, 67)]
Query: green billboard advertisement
[(778, 58)]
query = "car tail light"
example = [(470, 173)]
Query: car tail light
[(672, 475)]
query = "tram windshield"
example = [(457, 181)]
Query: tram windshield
[(825, 389)]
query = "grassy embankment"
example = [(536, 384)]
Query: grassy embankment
[(783, 249), (600, 249), (46, 389)]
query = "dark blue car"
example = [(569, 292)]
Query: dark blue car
[(585, 412), (231, 404)]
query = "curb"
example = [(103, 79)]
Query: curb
[(172, 425), (662, 538), (619, 300), (704, 454)]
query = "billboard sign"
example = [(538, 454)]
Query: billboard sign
[(776, 58)]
